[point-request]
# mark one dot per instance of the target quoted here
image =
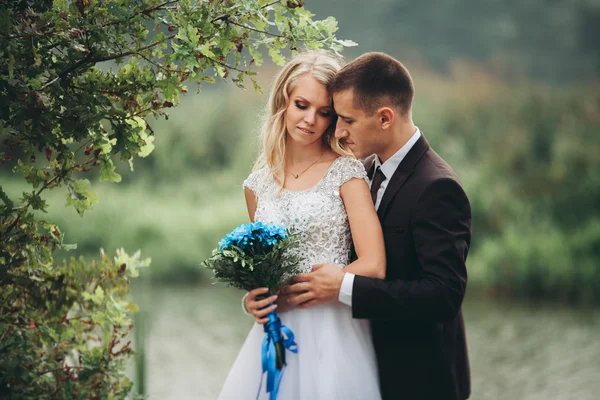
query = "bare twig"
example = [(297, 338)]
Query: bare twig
[(83, 145), (255, 30), (147, 11), (63, 369), (226, 65), (84, 60), (113, 57), (159, 66), (50, 83), (225, 16), (26, 206), (4, 334), (89, 60)]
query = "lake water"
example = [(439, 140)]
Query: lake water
[(518, 351)]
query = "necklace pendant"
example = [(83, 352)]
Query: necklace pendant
[(295, 176)]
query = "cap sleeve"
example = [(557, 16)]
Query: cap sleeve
[(255, 180), (349, 168)]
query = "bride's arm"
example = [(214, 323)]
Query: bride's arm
[(366, 230), (250, 203)]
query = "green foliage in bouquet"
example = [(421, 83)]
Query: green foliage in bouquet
[(256, 255)]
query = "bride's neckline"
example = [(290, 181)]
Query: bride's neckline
[(316, 184)]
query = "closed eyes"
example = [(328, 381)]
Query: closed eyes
[(325, 114)]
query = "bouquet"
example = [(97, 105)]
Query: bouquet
[(257, 255)]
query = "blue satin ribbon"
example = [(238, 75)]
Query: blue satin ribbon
[(273, 334)]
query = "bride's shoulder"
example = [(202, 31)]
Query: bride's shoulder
[(346, 168), (256, 179), (350, 164), (346, 161)]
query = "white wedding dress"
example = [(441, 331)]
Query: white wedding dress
[(335, 358)]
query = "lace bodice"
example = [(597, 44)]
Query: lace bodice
[(317, 213)]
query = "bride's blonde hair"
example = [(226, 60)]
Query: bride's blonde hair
[(323, 66)]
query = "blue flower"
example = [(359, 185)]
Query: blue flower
[(254, 235)]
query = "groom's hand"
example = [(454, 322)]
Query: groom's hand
[(321, 286), (282, 300)]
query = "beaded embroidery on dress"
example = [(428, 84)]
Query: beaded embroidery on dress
[(317, 213), (336, 359)]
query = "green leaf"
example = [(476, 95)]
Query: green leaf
[(59, 5), (132, 263), (69, 247), (275, 54), (107, 171), (256, 55), (11, 66), (256, 86), (328, 25), (347, 43), (98, 297), (8, 203), (37, 203), (80, 196), (34, 176), (106, 144), (147, 148), (132, 307), (204, 49), (208, 79)]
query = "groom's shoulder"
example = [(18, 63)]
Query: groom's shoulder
[(433, 167), (435, 176)]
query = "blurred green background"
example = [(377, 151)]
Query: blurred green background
[(508, 92)]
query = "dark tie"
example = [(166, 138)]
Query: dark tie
[(378, 177)]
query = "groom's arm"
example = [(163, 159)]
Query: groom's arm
[(441, 231)]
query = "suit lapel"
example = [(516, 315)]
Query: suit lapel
[(402, 173)]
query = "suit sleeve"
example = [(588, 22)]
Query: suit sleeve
[(441, 231)]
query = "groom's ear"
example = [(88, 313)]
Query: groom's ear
[(386, 117)]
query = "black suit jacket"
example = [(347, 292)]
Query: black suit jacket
[(415, 313)]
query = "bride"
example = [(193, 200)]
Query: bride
[(306, 180)]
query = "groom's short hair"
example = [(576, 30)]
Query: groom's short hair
[(375, 78)]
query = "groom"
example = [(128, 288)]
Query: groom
[(416, 318)]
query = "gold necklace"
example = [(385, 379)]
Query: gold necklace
[(313, 163)]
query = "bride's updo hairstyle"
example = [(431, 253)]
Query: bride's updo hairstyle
[(322, 66)]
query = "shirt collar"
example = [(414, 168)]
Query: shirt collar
[(389, 167)]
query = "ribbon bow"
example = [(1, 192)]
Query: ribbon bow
[(275, 334)]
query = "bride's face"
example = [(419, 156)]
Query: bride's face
[(309, 112)]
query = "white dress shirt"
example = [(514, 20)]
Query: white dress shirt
[(388, 168)]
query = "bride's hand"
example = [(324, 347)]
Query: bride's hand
[(257, 307)]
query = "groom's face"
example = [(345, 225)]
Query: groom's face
[(355, 129)]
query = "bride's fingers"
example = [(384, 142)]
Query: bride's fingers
[(264, 312), (257, 305), (256, 292)]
